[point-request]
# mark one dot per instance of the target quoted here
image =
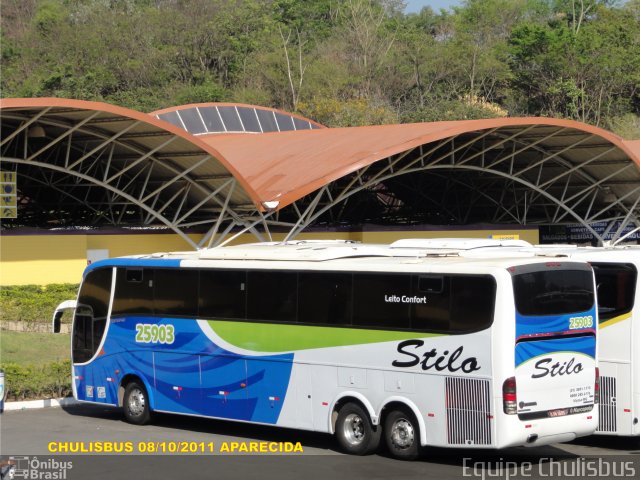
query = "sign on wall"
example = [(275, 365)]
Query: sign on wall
[(8, 195), (581, 234)]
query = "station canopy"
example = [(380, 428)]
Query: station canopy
[(223, 169)]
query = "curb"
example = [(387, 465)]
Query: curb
[(32, 404)]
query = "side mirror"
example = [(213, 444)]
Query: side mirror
[(57, 315)]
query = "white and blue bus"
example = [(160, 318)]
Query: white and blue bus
[(618, 299), (415, 343)]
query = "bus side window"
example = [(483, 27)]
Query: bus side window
[(434, 314), (324, 298), (134, 291), (378, 300), (272, 295), (222, 294), (472, 302), (175, 292), (431, 283), (454, 303), (616, 289)]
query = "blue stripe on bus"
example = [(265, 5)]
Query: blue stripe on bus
[(527, 350), (537, 325), (192, 375), (134, 262)]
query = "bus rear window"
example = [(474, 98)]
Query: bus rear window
[(616, 286), (553, 292)]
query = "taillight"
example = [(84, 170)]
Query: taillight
[(596, 387), (509, 397)]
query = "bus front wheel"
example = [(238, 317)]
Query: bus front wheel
[(136, 403), (354, 431), (402, 435)]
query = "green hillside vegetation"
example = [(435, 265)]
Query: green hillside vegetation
[(33, 303), (340, 62)]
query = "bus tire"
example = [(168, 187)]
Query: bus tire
[(135, 403), (402, 434), (354, 431)]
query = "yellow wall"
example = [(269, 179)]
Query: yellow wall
[(530, 236), (44, 259), (120, 245)]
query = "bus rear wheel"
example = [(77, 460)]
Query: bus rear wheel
[(135, 403), (354, 432), (402, 434)]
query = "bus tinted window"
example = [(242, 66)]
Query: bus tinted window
[(472, 302), (553, 292), (431, 283), (457, 303), (176, 292), (616, 285), (91, 313), (272, 295), (440, 303), (222, 294), (435, 312), (134, 291), (381, 301), (324, 298)]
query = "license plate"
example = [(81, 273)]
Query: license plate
[(558, 413)]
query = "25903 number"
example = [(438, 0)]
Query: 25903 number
[(150, 333), (580, 322)]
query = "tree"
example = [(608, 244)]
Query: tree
[(369, 31), (584, 73), (346, 62)]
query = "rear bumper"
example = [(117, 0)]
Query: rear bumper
[(514, 432)]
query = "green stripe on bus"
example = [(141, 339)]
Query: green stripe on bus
[(269, 337)]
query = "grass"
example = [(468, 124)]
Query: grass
[(27, 348), (35, 365)]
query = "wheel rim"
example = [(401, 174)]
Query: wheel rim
[(353, 429), (402, 434), (136, 402)]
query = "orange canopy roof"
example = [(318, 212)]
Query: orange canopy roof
[(286, 166)]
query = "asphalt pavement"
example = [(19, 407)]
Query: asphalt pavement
[(40, 441)]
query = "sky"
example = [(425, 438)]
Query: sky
[(416, 5)]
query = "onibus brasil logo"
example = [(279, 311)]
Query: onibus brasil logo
[(32, 468)]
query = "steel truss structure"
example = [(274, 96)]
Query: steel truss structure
[(84, 166), (527, 175), (93, 168)]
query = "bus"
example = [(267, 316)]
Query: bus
[(442, 343), (618, 299)]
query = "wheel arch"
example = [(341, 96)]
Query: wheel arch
[(397, 402), (133, 376), (351, 397)]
